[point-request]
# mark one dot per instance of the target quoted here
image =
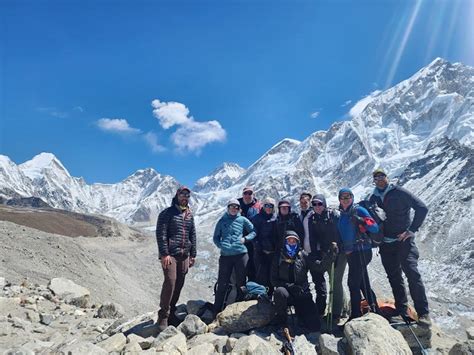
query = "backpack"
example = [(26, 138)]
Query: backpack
[(231, 294), (254, 291), (379, 216)]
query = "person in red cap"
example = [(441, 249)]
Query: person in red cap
[(249, 208), (176, 238)]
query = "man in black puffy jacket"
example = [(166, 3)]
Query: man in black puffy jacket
[(176, 238), (398, 250), (287, 220), (290, 279)]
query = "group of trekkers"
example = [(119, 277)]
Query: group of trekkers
[(269, 244)]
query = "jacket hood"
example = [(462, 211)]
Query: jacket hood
[(320, 197)]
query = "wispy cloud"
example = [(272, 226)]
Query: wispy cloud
[(315, 114), (116, 125), (79, 109), (53, 111), (191, 135), (347, 103), (152, 140)]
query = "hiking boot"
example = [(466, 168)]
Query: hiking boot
[(162, 324), (406, 318), (424, 320)]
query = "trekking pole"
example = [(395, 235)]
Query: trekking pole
[(331, 297), (423, 350)]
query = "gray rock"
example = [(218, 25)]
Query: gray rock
[(174, 345), (83, 347), (466, 348), (218, 341), (132, 348), (35, 346), (114, 343), (253, 345), (192, 326), (330, 345), (46, 319), (110, 311), (32, 316), (202, 349), (144, 343), (167, 333), (70, 292), (193, 306), (303, 346), (243, 316), (3, 282), (470, 333), (143, 325), (372, 334), (230, 344)]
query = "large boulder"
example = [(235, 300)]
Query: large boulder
[(372, 334), (83, 347), (70, 292), (330, 345), (301, 345), (253, 345), (202, 349), (243, 316), (192, 326)]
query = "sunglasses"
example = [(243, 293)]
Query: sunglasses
[(379, 177), (317, 204), (268, 205), (184, 195), (248, 193), (234, 206), (345, 197)]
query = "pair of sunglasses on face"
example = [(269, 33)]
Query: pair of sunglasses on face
[(187, 195), (235, 207), (316, 204), (345, 198), (379, 177), (268, 205), (248, 193)]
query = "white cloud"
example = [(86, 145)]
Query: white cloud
[(78, 108), (315, 114), (116, 125), (347, 103), (53, 111), (170, 113), (191, 135), (152, 140)]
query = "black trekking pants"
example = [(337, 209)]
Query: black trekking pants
[(263, 264), (227, 264), (251, 270), (305, 308), (403, 256), (358, 280), (321, 291)]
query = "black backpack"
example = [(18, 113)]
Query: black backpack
[(379, 216)]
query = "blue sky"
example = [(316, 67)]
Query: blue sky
[(227, 79)]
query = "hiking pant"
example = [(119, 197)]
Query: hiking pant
[(338, 295), (251, 270), (403, 256), (227, 264), (321, 291), (172, 285), (263, 264), (358, 280), (304, 307)]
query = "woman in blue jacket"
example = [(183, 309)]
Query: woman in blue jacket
[(229, 238), (353, 224)]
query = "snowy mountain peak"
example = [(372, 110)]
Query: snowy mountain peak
[(35, 167), (220, 178)]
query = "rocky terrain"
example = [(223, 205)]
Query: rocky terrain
[(61, 318)]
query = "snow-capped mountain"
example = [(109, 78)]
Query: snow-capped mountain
[(219, 179)]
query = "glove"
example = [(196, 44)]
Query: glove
[(359, 219)]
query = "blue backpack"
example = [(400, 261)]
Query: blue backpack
[(254, 291)]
